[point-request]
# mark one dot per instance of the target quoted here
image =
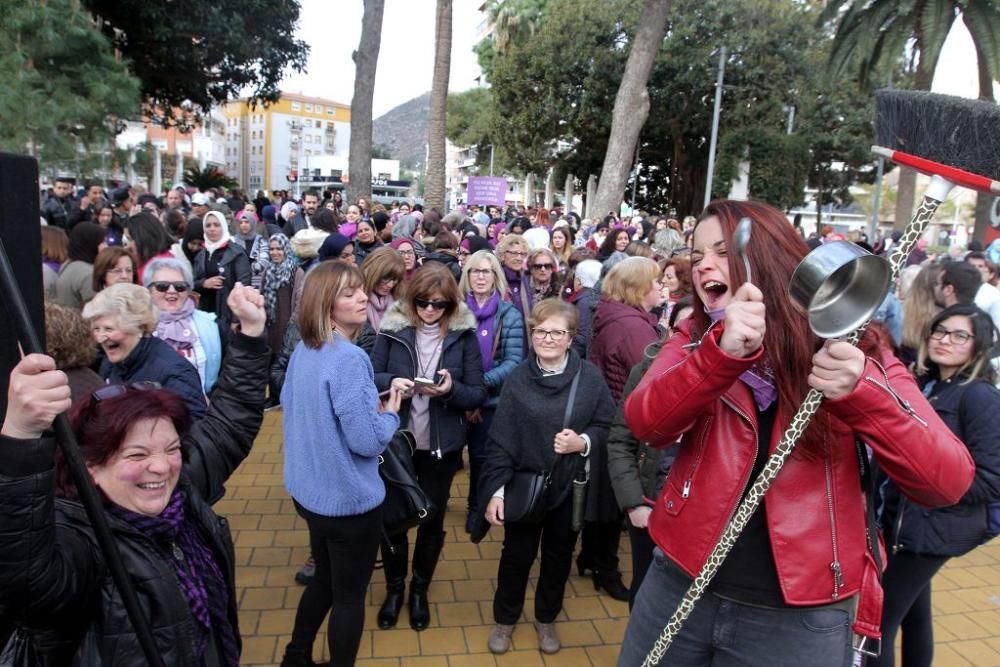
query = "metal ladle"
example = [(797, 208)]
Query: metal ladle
[(741, 237)]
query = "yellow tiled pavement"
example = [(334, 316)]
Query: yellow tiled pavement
[(272, 542)]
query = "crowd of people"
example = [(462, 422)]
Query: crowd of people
[(629, 357)]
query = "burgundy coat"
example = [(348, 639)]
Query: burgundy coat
[(621, 335)]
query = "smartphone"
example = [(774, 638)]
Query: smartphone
[(423, 382)]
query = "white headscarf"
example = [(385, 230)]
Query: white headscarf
[(212, 246)]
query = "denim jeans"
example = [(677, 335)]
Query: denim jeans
[(724, 633)]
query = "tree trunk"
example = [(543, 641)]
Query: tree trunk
[(550, 189), (631, 107), (591, 196), (434, 188), (984, 200), (568, 204), (365, 60)]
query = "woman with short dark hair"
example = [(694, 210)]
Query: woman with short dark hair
[(113, 265), (531, 432), (427, 350), (158, 475)]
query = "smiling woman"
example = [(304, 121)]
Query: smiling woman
[(122, 319), (157, 473)]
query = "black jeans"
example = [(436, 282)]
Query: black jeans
[(642, 557), (520, 546), (907, 586), (345, 548), (435, 476)]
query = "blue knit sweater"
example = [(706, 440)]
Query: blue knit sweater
[(333, 430)]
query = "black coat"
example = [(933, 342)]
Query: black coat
[(155, 361), (237, 264), (395, 356), (529, 414), (54, 578), (585, 301), (972, 412)]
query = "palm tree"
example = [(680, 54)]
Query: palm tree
[(513, 20), (366, 60), (434, 189), (872, 35)]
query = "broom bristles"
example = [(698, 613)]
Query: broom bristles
[(954, 131)]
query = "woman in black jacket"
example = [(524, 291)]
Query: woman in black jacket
[(531, 433), (158, 480), (218, 267), (957, 377), (427, 349)]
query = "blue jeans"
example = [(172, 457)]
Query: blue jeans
[(723, 633)]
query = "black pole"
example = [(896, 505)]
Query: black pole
[(31, 344)]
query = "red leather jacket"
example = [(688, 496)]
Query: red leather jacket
[(815, 508)]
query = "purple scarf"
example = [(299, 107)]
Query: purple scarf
[(486, 325), (200, 577), (177, 328), (760, 376), (377, 305)]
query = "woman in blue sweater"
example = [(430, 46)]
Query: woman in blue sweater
[(335, 428)]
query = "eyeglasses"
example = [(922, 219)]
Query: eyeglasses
[(115, 390), (480, 272), (164, 286), (423, 304), (406, 253), (555, 335), (124, 271), (516, 253), (388, 279), (958, 337), (542, 267)]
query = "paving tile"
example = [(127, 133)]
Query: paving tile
[(272, 543)]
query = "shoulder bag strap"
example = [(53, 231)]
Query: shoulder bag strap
[(869, 469), (568, 414)]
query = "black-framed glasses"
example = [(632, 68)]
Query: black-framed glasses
[(115, 390), (956, 336), (555, 335), (164, 286), (423, 304)]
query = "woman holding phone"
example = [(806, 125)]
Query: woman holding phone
[(427, 349)]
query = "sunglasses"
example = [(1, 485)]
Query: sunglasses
[(423, 304), (115, 390), (542, 267), (164, 286)]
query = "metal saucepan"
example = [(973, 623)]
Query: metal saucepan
[(840, 285)]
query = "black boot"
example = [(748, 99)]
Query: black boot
[(425, 558), (394, 559), (297, 657), (611, 581)]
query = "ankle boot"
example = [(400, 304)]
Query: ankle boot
[(394, 560), (297, 657), (611, 581), (425, 557)]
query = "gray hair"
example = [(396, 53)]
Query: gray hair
[(588, 272), (167, 263), (129, 304)]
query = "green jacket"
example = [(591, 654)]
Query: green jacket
[(637, 470)]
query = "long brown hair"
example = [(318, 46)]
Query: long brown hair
[(774, 251), (429, 278)]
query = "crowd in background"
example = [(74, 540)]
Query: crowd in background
[(515, 332)]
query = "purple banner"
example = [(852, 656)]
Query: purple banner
[(487, 190)]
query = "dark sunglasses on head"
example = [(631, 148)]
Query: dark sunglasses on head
[(115, 390), (436, 305), (163, 286)]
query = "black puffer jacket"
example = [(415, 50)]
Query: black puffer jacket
[(395, 356), (53, 577), (972, 412), (155, 361)]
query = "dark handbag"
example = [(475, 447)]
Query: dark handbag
[(19, 651), (406, 505), (524, 494)]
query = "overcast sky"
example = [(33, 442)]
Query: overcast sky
[(406, 58), (332, 28)]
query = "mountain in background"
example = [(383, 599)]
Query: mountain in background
[(402, 132)]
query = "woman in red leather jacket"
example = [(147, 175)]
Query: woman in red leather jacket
[(800, 582)]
